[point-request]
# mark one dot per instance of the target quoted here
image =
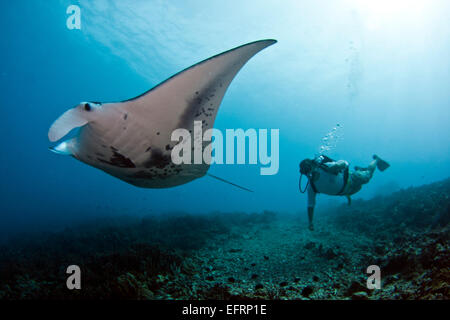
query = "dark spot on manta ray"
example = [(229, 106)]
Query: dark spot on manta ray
[(119, 160), (157, 159), (148, 149), (194, 105), (143, 175), (157, 133), (125, 116), (168, 147)]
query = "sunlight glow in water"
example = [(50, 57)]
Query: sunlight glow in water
[(381, 13)]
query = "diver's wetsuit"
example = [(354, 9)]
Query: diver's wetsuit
[(324, 180), (334, 178)]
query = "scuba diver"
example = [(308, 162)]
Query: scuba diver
[(331, 177)]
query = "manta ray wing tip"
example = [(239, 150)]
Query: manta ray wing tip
[(269, 41)]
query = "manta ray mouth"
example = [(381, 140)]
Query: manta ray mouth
[(62, 148)]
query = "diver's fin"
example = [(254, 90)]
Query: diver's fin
[(381, 164), (233, 184)]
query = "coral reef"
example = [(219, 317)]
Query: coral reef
[(245, 255)]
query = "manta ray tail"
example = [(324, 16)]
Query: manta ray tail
[(233, 184)]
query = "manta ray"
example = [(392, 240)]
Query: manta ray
[(131, 139)]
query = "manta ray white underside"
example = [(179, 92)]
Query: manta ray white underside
[(131, 139)]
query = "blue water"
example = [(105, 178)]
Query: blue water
[(381, 71)]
